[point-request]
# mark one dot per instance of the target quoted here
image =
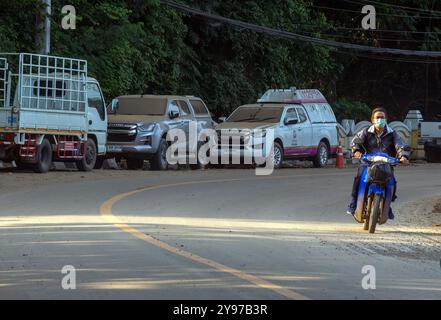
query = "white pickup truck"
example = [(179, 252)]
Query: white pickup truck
[(430, 136), (304, 126), (50, 111)]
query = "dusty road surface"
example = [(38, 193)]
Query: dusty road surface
[(214, 234)]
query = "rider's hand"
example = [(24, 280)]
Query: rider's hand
[(404, 161), (358, 155)]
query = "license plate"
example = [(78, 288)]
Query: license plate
[(114, 149)]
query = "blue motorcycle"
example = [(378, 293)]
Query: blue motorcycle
[(376, 190)]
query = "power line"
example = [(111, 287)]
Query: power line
[(387, 5), (319, 32), (371, 30), (378, 14), (372, 39), (389, 31), (298, 37), (383, 58)]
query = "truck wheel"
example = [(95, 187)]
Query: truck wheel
[(87, 163), (322, 156), (44, 157), (159, 161), (135, 164)]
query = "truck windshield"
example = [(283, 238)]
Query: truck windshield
[(141, 106), (257, 114)]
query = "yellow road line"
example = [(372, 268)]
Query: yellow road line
[(106, 212)]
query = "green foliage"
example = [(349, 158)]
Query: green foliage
[(348, 109), (141, 46)]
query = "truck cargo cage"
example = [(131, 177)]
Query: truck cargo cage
[(47, 82), (52, 83), (4, 83)]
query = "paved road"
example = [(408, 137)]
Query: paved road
[(215, 234)]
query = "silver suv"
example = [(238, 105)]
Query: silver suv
[(138, 127)]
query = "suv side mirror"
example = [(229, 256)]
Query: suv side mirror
[(291, 121), (222, 119), (114, 105)]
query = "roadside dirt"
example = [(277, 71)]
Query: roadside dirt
[(424, 213)]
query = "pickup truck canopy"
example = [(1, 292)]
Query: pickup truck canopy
[(313, 101), (293, 96)]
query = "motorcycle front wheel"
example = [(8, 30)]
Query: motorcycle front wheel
[(377, 205)]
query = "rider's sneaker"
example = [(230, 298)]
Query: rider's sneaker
[(394, 198), (391, 214)]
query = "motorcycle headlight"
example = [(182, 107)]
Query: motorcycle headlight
[(147, 127), (378, 159)]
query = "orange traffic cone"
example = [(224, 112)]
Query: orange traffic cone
[(340, 163)]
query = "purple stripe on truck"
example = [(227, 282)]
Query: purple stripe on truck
[(307, 150), (294, 151)]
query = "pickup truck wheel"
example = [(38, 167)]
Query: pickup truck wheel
[(322, 157), (159, 161), (278, 157), (199, 165), (135, 164), (44, 157), (87, 163)]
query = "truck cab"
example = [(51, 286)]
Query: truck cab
[(97, 116)]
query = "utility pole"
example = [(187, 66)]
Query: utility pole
[(43, 40), (47, 27)]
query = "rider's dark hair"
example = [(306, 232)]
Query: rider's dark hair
[(379, 109)]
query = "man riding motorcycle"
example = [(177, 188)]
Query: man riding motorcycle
[(378, 138)]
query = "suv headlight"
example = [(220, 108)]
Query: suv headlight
[(259, 134), (147, 127)]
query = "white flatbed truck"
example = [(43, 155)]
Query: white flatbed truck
[(50, 110)]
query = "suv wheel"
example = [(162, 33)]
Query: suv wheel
[(199, 165), (159, 161)]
